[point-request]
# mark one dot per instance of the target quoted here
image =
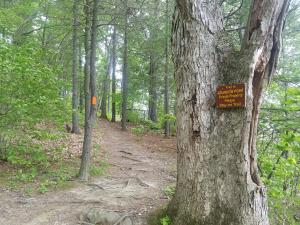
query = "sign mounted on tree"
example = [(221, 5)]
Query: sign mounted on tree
[(230, 96)]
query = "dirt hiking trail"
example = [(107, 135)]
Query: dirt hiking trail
[(141, 168)]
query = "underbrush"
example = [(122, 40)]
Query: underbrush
[(41, 161), (143, 126), (159, 217)]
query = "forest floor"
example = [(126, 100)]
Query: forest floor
[(142, 168)]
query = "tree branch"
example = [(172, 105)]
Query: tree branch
[(234, 11)]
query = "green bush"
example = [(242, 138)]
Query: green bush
[(99, 168), (169, 191), (139, 130), (165, 220), (151, 125), (133, 117), (27, 156), (33, 89), (172, 121)]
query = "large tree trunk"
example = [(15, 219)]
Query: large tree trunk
[(217, 180), (125, 70), (75, 125), (90, 119), (113, 87)]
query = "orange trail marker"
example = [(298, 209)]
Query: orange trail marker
[(94, 100)]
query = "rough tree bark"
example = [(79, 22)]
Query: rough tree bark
[(217, 180), (125, 70), (90, 118), (75, 125), (113, 87)]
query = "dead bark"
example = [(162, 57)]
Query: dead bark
[(217, 181)]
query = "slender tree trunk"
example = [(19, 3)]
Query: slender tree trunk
[(103, 106), (152, 114), (217, 179), (87, 47), (75, 125), (90, 118), (3, 29), (125, 70), (81, 82), (44, 42), (166, 75), (109, 94), (113, 88)]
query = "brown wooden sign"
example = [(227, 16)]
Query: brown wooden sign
[(230, 96)]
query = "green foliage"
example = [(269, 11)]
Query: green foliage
[(44, 135), (99, 169), (139, 130), (151, 125), (145, 126), (133, 117), (43, 188), (158, 217), (172, 122), (165, 220), (279, 134), (169, 191), (27, 156), (32, 90)]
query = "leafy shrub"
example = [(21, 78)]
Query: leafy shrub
[(165, 220), (139, 130), (172, 122), (32, 90), (27, 156), (99, 169), (151, 125), (44, 135), (169, 191), (133, 117)]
